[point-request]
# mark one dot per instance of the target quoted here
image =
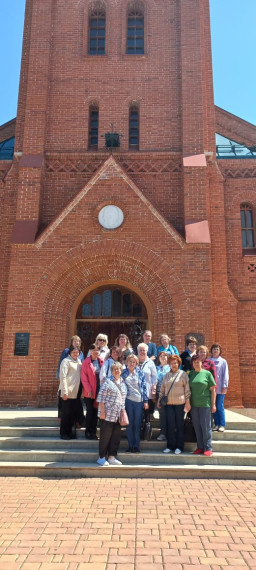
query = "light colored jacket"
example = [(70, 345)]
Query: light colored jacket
[(70, 371), (180, 391)]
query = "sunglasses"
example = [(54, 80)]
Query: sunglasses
[(102, 339)]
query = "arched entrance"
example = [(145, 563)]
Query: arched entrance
[(111, 309)]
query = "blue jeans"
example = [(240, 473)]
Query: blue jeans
[(201, 418), (134, 412), (219, 415)]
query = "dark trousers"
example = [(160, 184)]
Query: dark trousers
[(151, 408), (175, 426), (134, 412), (68, 416), (201, 418), (80, 411), (110, 435), (91, 417)]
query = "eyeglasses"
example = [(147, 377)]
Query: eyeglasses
[(102, 339)]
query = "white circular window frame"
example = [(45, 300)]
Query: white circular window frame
[(111, 217)]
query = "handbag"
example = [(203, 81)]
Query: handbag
[(123, 418), (189, 430), (124, 421), (146, 431), (164, 399)]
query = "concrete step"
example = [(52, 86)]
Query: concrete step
[(145, 458), (142, 471), (49, 443)]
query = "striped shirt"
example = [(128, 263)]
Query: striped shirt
[(109, 395)]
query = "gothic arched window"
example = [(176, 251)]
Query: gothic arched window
[(97, 30), (247, 226), (135, 29)]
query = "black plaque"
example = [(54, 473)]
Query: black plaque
[(21, 344)]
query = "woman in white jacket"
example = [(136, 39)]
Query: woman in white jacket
[(70, 371)]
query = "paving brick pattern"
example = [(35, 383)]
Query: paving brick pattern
[(117, 524)]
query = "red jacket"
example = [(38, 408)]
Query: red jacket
[(88, 377)]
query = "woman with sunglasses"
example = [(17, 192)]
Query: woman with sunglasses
[(101, 342)]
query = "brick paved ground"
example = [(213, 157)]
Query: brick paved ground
[(124, 524)]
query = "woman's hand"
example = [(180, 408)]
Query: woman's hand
[(158, 405), (187, 407), (146, 406), (213, 408), (90, 395), (102, 415), (65, 397), (224, 391)]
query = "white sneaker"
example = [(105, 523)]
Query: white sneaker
[(161, 437), (221, 428), (215, 428), (167, 450), (102, 462), (114, 461), (177, 451)]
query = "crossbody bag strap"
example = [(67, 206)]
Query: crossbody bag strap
[(176, 376)]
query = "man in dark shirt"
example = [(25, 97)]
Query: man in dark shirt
[(152, 350)]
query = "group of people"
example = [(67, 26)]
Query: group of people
[(123, 380)]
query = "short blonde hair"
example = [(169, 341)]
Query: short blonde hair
[(132, 356), (102, 335), (142, 345), (116, 365), (202, 347)]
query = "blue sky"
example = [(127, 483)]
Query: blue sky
[(233, 50)]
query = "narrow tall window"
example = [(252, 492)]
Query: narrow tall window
[(93, 127), (247, 226), (135, 31), (134, 127), (97, 32)]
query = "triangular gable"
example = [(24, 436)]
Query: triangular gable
[(109, 169)]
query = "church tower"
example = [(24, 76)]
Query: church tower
[(119, 220)]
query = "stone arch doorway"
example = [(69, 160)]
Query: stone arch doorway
[(111, 309)]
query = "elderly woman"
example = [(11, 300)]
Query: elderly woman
[(90, 378), (76, 343), (222, 386), (166, 346), (175, 387), (203, 396), (148, 368), (191, 344), (114, 356), (136, 400), (207, 364), (111, 399), (101, 343), (162, 370), (122, 341), (70, 370)]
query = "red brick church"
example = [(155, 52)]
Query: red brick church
[(119, 210)]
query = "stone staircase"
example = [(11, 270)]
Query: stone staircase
[(30, 446)]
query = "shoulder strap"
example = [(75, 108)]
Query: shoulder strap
[(176, 376)]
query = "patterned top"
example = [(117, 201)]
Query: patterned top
[(209, 365), (109, 395), (161, 372), (136, 385)]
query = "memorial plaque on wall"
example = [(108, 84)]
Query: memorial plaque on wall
[(21, 344)]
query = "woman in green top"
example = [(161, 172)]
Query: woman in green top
[(203, 397)]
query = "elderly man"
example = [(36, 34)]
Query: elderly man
[(149, 370), (152, 350)]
